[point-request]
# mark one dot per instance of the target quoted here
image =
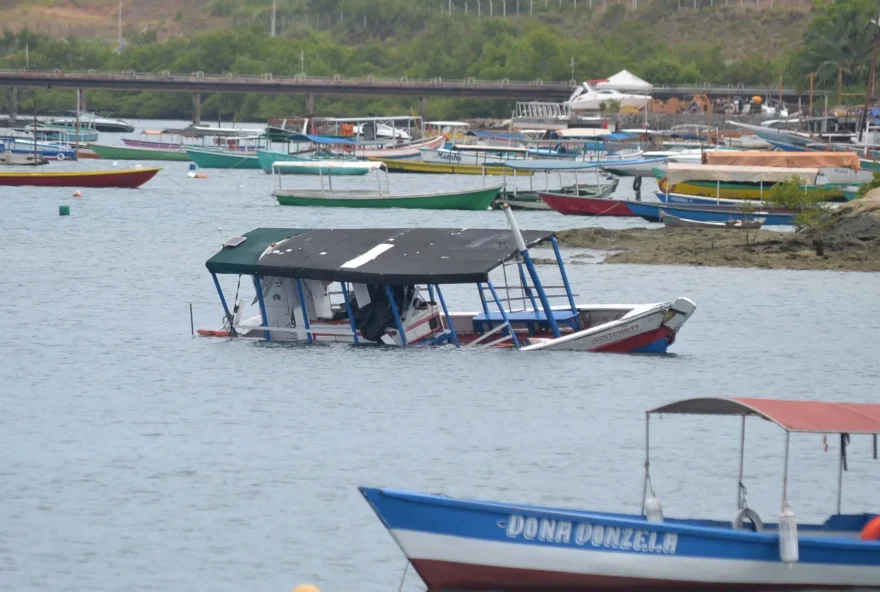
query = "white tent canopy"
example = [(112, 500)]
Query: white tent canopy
[(625, 81)]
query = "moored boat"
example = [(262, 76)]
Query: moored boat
[(474, 546), (670, 221), (127, 179), (208, 158), (574, 205), (390, 283), (132, 153), (469, 199), (436, 168), (653, 212), (13, 159), (575, 185), (268, 159)]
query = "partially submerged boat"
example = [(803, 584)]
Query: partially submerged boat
[(475, 546), (384, 286), (466, 199)]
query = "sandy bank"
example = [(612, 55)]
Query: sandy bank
[(851, 242)]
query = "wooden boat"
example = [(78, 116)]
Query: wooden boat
[(381, 274), (676, 222), (693, 200), (48, 132), (530, 199), (470, 199), (405, 151), (652, 212), (128, 179), (13, 159), (573, 205), (47, 150), (131, 153), (752, 182), (268, 158), (208, 158), (433, 168), (473, 546)]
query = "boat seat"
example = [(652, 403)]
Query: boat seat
[(530, 317)]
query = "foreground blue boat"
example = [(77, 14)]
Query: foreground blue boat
[(477, 546), (652, 213)]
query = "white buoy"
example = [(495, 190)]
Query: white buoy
[(653, 510), (115, 163), (77, 193), (788, 537)]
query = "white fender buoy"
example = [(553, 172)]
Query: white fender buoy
[(788, 537), (653, 510), (115, 163)]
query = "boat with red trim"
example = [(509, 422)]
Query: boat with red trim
[(127, 179), (476, 546)]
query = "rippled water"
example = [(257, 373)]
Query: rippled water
[(135, 457)]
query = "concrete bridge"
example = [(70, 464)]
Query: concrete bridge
[(197, 83)]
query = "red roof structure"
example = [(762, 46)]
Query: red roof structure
[(793, 416)]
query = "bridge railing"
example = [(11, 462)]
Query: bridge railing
[(269, 78)]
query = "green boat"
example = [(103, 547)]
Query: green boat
[(268, 160), (470, 199), (127, 153), (208, 158)]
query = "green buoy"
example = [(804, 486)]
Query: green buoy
[(63, 210)]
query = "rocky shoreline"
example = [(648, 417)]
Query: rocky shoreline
[(851, 242)]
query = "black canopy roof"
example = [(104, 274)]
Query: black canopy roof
[(384, 255)]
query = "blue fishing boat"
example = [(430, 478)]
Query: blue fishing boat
[(474, 546), (652, 212), (48, 150), (696, 200)]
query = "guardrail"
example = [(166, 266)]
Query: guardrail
[(268, 78)]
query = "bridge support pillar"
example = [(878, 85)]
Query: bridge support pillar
[(197, 108), (423, 107), (83, 101), (310, 104), (13, 103)]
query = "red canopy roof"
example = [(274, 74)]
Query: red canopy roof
[(794, 416)]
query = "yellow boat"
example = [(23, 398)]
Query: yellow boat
[(442, 168), (733, 190)]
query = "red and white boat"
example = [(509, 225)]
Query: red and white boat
[(129, 179), (411, 150), (573, 205)]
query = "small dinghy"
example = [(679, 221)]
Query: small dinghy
[(676, 222)]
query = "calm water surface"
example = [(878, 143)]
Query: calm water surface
[(135, 457)]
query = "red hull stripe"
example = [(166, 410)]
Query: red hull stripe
[(634, 342), (445, 575)]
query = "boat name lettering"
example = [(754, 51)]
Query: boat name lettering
[(583, 534), (449, 156), (619, 332)]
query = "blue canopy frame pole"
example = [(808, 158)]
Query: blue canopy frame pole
[(564, 275), (525, 285), (448, 318), (305, 311), (503, 314), (223, 302), (530, 265), (259, 290), (348, 311), (482, 298), (396, 314)]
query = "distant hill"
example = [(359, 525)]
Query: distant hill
[(742, 28)]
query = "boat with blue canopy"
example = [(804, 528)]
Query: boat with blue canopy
[(473, 545), (385, 286)]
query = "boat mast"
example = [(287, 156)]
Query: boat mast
[(76, 137), (870, 91)]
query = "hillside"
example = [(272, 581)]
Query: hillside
[(753, 28)]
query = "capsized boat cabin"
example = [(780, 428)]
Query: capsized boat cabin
[(385, 286)]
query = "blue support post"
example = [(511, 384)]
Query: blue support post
[(448, 318), (305, 311), (503, 314), (223, 302), (564, 275), (431, 292), (483, 298), (348, 311), (259, 290), (541, 294), (396, 314), (522, 279)]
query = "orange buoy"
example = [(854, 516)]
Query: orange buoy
[(871, 531), (201, 175), (213, 333)]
